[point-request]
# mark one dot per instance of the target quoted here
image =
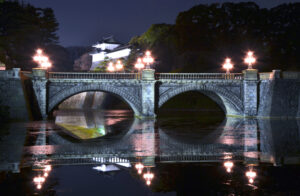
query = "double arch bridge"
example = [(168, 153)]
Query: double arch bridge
[(145, 92)]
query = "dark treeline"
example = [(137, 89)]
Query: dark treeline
[(23, 29), (199, 41), (205, 35)]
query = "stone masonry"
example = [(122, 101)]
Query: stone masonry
[(251, 94)]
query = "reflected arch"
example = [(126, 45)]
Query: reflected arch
[(65, 93), (228, 102)]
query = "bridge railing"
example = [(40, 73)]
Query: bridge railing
[(91, 75), (198, 76)]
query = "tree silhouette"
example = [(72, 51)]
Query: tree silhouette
[(205, 35), (23, 29)]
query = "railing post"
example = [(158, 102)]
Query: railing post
[(148, 74), (276, 74)]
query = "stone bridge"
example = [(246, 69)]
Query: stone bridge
[(269, 94), (146, 92)]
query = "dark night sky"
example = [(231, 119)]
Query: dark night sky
[(83, 22)]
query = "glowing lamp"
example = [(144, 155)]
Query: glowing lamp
[(39, 51), (48, 168), (37, 58), (41, 59), (227, 65), (250, 59), (251, 175), (119, 65), (228, 165), (139, 64), (110, 67), (148, 177), (139, 167), (148, 59), (39, 179), (46, 64)]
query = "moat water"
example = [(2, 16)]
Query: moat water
[(180, 153)]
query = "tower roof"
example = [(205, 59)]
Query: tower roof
[(109, 40)]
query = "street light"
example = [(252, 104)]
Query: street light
[(250, 59), (110, 67), (41, 59), (119, 65), (139, 64), (148, 59), (227, 65)]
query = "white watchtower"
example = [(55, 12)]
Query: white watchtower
[(108, 48)]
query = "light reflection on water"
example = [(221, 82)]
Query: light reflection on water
[(89, 124), (235, 156)]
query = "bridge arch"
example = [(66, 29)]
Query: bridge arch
[(227, 100), (123, 94)]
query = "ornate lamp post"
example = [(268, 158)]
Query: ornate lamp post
[(148, 59), (119, 65), (139, 64), (227, 65), (110, 67), (41, 59), (250, 59)]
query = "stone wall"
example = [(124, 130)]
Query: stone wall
[(12, 95), (74, 102), (279, 98)]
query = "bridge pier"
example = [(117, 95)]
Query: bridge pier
[(250, 92), (39, 82), (148, 94)]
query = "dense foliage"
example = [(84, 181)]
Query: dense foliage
[(205, 35), (23, 29)]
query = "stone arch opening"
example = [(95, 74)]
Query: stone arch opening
[(64, 94), (227, 101), (94, 100), (194, 101)]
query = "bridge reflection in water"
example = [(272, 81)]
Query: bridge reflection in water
[(151, 151), (247, 142)]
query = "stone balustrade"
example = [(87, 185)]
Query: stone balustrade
[(291, 75), (9, 74), (91, 75), (199, 76)]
